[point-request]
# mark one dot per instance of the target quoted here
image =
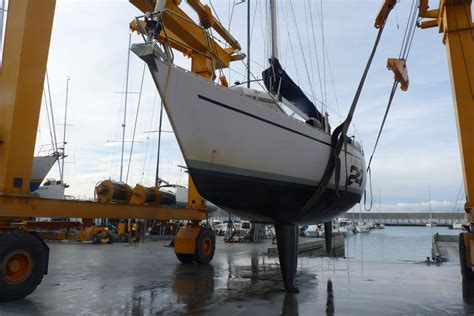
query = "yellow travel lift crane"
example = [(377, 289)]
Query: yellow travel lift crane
[(453, 18), (23, 254)]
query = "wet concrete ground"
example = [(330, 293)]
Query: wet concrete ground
[(119, 279)]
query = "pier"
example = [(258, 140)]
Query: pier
[(408, 219)]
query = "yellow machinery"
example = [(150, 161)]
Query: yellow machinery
[(193, 40), (453, 19), (23, 254)]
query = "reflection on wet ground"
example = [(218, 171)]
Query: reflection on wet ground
[(148, 280)]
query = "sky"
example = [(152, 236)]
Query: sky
[(418, 151)]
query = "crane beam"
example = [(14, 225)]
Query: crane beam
[(453, 18), (192, 39), (12, 205), (26, 47)]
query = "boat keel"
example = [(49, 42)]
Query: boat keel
[(328, 236), (287, 243)]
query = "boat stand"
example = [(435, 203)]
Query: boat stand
[(287, 242)]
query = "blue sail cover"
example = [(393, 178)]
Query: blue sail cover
[(277, 81)]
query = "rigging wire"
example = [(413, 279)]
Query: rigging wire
[(302, 50), (262, 28), (136, 121), (457, 198), (308, 42), (404, 52), (315, 49), (291, 44), (148, 137), (49, 120), (55, 140), (253, 21), (339, 137)]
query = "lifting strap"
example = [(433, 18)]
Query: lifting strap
[(339, 136)]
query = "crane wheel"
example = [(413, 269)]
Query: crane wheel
[(205, 246), (23, 262), (185, 258), (467, 273)]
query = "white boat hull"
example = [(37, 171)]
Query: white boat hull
[(250, 159), (40, 168)]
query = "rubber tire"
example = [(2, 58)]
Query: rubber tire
[(467, 273), (10, 241), (185, 258), (199, 256)]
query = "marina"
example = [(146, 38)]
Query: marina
[(273, 157), (378, 273)]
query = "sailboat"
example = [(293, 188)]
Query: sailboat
[(246, 155), (40, 168), (430, 222)]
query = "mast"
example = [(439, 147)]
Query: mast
[(273, 29), (157, 177), (380, 209), (64, 131), (125, 107), (248, 43), (429, 197)]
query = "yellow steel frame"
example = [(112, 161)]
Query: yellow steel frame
[(26, 47), (453, 18), (27, 206), (184, 35)]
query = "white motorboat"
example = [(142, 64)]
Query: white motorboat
[(362, 228), (314, 231), (457, 226), (41, 167), (52, 189), (345, 226)]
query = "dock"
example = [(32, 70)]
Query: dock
[(445, 248), (316, 246), (409, 219)]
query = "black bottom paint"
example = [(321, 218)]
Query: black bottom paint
[(328, 236), (270, 201)]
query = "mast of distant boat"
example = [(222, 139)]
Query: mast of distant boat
[(125, 107), (380, 209), (64, 131), (248, 43), (157, 177), (429, 197)]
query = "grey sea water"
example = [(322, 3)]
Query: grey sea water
[(394, 244)]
